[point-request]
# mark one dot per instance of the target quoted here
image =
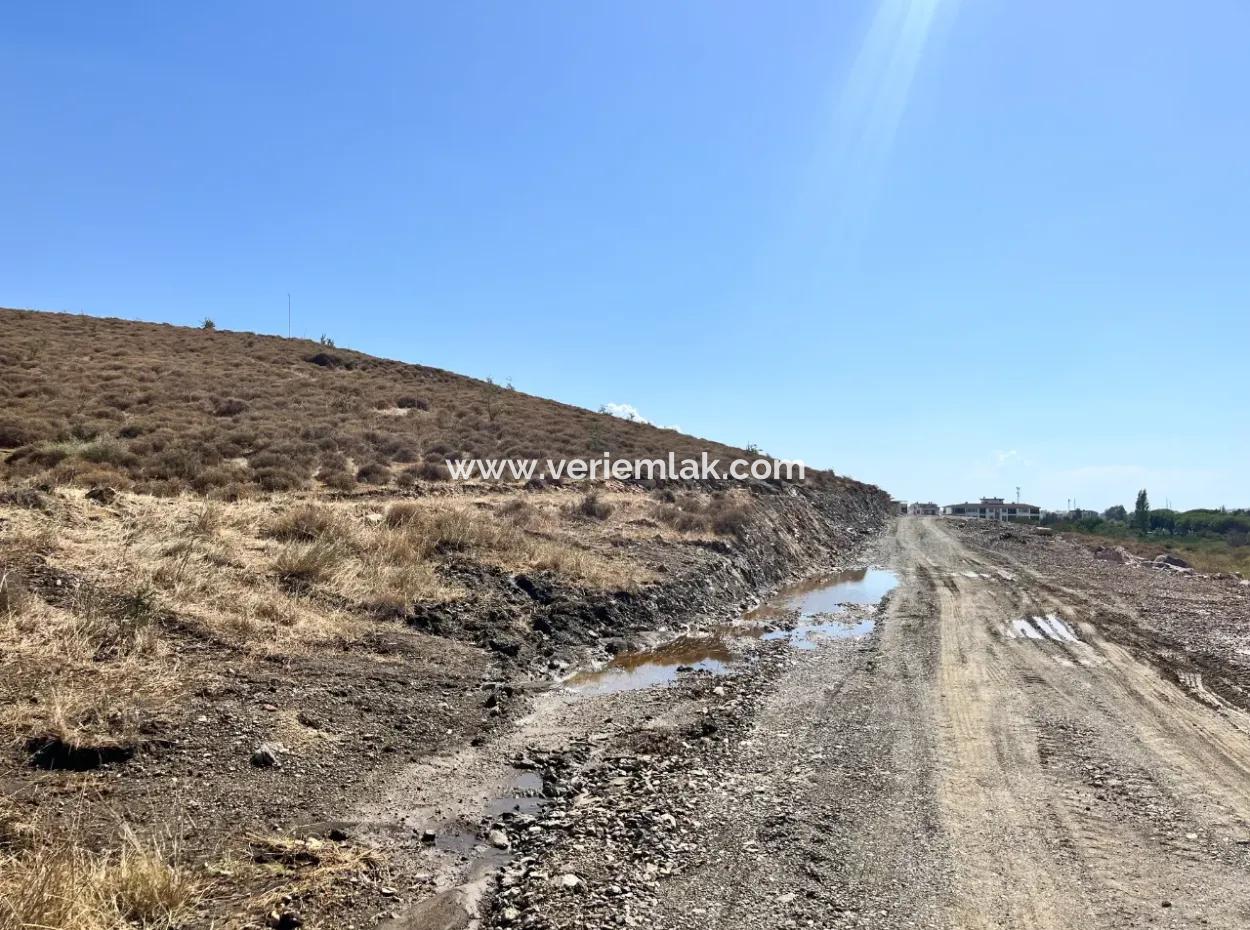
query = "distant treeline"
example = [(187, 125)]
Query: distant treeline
[(1233, 526)]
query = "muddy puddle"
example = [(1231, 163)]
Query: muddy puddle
[(521, 798), (838, 605)]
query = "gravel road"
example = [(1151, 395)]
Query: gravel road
[(1007, 742)]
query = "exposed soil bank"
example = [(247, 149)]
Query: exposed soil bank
[(588, 745), (319, 746)]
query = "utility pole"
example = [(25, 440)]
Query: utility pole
[(288, 314)]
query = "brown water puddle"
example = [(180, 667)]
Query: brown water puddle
[(803, 614)]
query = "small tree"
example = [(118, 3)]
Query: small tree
[(207, 323), (1116, 513), (1141, 512)]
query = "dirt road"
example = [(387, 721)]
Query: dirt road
[(1079, 783), (1006, 748)]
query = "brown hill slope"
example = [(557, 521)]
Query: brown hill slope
[(156, 646), (167, 407)]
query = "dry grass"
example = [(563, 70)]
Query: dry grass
[(286, 867), (722, 513), (306, 523), (61, 885), (90, 665), (87, 671)]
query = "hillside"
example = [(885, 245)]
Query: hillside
[(167, 408), (238, 593)]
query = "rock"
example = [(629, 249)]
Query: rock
[(498, 839), (266, 755), (285, 920), (387, 891), (507, 647), (1109, 555), (428, 836), (570, 881), (1168, 558)]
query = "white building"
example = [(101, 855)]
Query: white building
[(993, 508)]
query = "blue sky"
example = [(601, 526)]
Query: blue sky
[(950, 248)]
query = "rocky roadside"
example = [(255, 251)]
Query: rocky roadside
[(692, 805)]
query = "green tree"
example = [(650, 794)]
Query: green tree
[(1141, 512), (1116, 513)]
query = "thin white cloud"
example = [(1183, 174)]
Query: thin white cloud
[(633, 414)]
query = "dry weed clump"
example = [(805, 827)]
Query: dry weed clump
[(593, 505), (688, 512), (287, 867), (299, 566), (307, 523), (59, 884)]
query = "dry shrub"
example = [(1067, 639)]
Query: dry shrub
[(24, 431), (519, 511), (228, 407), (729, 518), (431, 471), (62, 885), (402, 513), (593, 505), (307, 523), (374, 473), (684, 521), (390, 590), (277, 479), (689, 513), (299, 566), (337, 480)]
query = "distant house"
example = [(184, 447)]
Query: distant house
[(900, 507), (993, 508), (921, 509)]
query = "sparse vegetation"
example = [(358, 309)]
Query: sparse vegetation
[(62, 884)]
